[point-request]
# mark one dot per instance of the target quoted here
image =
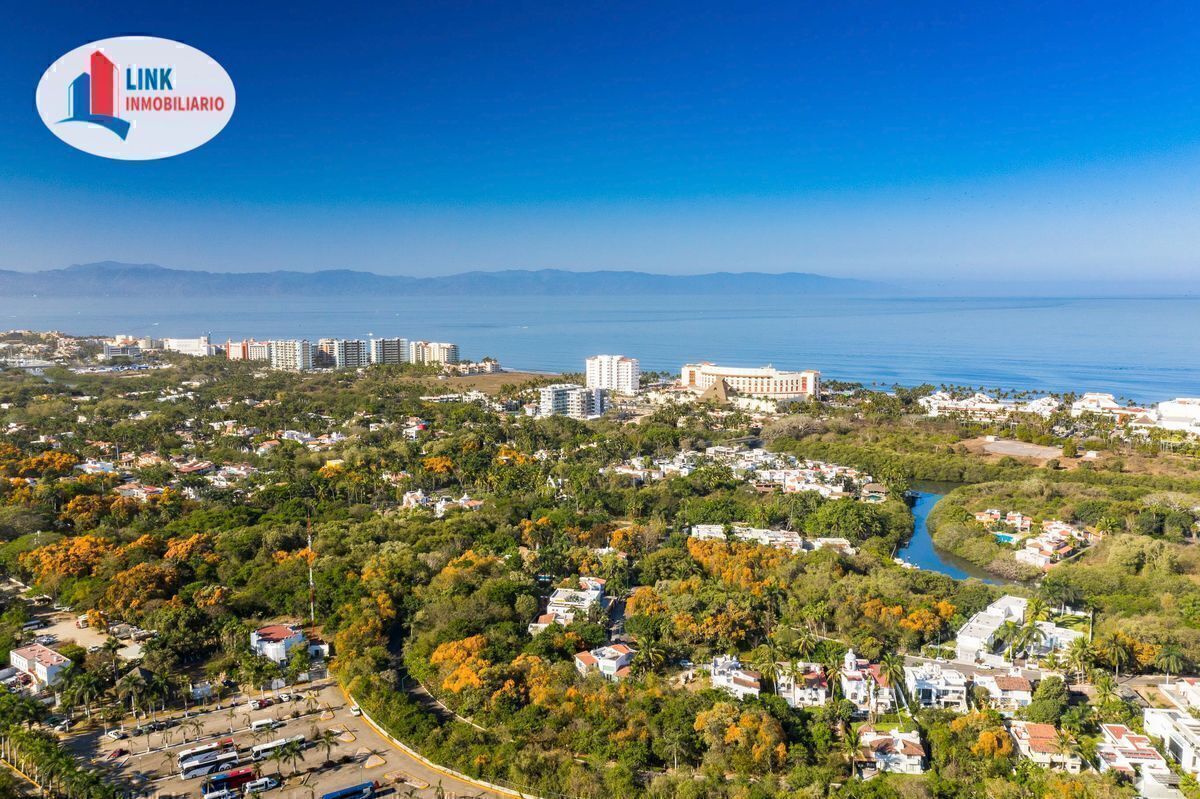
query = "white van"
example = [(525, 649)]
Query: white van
[(265, 724), (259, 785)]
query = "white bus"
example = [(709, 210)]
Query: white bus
[(189, 754), (263, 751), (223, 761)]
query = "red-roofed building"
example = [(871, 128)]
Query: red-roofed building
[(275, 641), (611, 661), (894, 751), (41, 663), (1046, 746)]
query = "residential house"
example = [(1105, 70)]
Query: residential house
[(893, 751), (1006, 691), (565, 604), (929, 685), (612, 661), (1180, 735), (1134, 757), (729, 675), (275, 641), (864, 684), (802, 684), (1042, 744)]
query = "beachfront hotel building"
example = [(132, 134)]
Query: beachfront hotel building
[(432, 352), (248, 350), (765, 382), (389, 350), (613, 373), (292, 355)]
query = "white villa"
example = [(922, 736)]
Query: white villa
[(612, 661), (864, 685), (1006, 691), (808, 688), (729, 675), (929, 685), (567, 603), (894, 751)]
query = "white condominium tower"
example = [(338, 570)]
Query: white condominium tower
[(292, 355), (569, 399), (614, 373), (389, 350), (432, 352)]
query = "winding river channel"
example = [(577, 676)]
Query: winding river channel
[(920, 550)]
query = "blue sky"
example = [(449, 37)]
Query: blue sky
[(997, 140)]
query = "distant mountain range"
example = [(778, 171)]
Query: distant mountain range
[(110, 278)]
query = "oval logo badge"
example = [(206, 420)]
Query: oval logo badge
[(135, 98)]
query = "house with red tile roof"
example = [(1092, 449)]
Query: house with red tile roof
[(275, 641), (893, 751), (1046, 746), (612, 661)]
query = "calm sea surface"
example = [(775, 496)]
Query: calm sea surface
[(1143, 349)]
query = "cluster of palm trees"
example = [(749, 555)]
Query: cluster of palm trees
[(38, 755)]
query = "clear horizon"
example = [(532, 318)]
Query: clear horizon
[(927, 143)]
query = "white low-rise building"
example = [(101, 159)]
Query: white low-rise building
[(612, 661), (929, 685), (276, 641), (1134, 757), (802, 684), (864, 685), (891, 751), (1006, 691), (1179, 733), (40, 662), (729, 675), (566, 604)]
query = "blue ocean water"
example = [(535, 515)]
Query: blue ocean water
[(1144, 349)]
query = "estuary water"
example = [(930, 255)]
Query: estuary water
[(1143, 349), (920, 551)]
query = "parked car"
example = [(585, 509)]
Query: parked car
[(118, 752), (116, 735), (355, 710)]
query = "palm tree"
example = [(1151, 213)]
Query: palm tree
[(1009, 632), (1065, 745), (132, 686), (1170, 659), (1052, 662), (293, 753), (1080, 656), (1116, 651), (851, 742), (111, 647), (649, 658), (1106, 689), (891, 667), (1036, 610), (326, 739)]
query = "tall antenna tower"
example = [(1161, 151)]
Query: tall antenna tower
[(312, 587)]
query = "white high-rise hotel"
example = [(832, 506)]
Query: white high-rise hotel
[(614, 373)]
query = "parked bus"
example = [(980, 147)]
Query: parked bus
[(263, 751), (228, 781), (223, 761), (196, 751), (365, 790), (207, 754)]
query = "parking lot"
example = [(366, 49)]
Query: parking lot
[(357, 753)]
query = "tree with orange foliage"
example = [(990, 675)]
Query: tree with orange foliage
[(71, 557), (748, 739)]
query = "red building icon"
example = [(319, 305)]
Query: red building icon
[(104, 82)]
